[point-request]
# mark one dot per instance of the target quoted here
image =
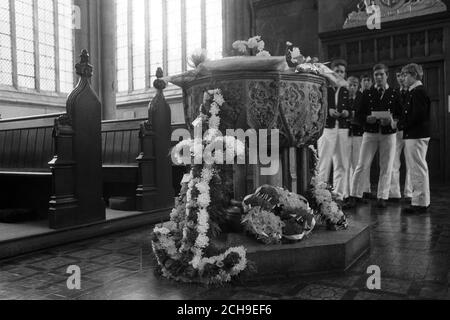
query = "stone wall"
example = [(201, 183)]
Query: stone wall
[(15, 104)]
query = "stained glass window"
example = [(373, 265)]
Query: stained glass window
[(138, 44), (214, 28), (47, 63), (122, 45), (5, 44), (177, 28), (193, 27), (156, 36), (66, 57), (43, 28), (25, 43)]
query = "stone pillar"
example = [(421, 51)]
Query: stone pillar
[(87, 37), (107, 16), (238, 22), (97, 34)]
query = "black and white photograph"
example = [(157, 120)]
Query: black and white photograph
[(241, 152)]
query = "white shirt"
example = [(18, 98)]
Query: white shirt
[(415, 85), (385, 88), (336, 96)]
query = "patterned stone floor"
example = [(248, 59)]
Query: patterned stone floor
[(413, 253)]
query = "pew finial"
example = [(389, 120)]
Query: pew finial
[(159, 83), (84, 68)]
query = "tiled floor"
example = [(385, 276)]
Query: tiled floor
[(413, 253)]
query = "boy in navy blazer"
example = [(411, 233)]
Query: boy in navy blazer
[(334, 145), (415, 123), (379, 114)]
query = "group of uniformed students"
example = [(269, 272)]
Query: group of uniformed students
[(370, 116)]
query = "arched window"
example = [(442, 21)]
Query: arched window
[(36, 45), (163, 33)]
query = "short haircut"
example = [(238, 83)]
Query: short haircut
[(366, 76), (380, 66), (415, 70), (353, 79), (339, 63)]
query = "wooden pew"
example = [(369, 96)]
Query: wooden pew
[(121, 149), (37, 160), (120, 144), (25, 149)]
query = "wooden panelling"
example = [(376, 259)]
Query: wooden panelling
[(353, 52), (368, 51), (418, 44), (435, 42), (396, 49), (384, 49), (401, 46), (120, 140), (26, 143)]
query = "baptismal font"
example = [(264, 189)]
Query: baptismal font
[(278, 203)]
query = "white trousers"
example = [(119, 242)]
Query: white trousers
[(395, 191), (355, 152), (370, 144), (416, 162), (334, 148)]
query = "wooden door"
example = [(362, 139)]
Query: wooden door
[(434, 83)]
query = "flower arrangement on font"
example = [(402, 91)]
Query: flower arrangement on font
[(302, 64), (253, 46), (183, 247), (197, 57)]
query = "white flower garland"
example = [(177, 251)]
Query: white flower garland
[(203, 201)]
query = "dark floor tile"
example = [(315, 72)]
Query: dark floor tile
[(321, 292), (413, 253), (364, 295)]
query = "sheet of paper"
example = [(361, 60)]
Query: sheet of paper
[(381, 114)]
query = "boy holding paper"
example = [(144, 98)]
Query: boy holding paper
[(334, 145), (416, 133), (379, 113)]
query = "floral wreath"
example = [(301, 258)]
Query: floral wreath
[(180, 245), (327, 210)]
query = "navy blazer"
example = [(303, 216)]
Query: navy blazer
[(415, 121), (356, 129), (343, 104), (372, 101)]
